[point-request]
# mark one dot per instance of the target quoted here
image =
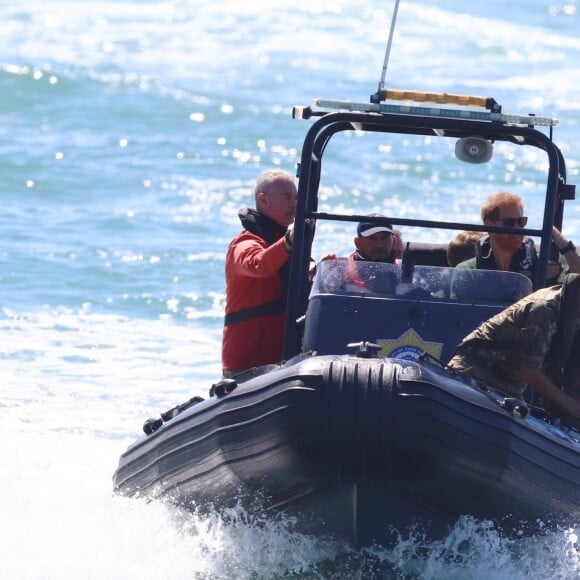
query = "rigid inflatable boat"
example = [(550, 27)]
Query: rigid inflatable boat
[(363, 428)]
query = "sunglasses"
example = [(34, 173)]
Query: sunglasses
[(513, 222)]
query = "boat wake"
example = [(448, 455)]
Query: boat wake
[(69, 524), (236, 543)]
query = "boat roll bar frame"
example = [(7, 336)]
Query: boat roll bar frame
[(402, 119)]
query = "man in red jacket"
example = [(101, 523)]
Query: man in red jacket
[(257, 268)]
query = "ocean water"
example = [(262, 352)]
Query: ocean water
[(131, 133)]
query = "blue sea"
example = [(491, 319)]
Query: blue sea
[(131, 132)]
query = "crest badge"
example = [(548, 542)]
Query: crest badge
[(409, 346)]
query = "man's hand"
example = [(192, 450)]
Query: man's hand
[(289, 238)]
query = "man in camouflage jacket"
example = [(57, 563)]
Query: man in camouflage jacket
[(510, 350)]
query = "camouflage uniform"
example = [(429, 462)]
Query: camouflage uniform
[(518, 336)]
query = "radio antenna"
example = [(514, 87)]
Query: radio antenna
[(376, 98)]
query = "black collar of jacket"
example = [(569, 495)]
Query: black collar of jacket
[(261, 225), (358, 257)]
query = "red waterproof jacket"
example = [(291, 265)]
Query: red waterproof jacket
[(256, 273), (352, 275)]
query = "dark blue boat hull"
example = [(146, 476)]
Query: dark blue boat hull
[(355, 446)]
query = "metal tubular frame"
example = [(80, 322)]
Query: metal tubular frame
[(330, 123)]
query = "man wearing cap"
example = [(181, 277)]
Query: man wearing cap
[(373, 243)]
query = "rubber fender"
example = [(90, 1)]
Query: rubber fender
[(223, 387), (151, 425)]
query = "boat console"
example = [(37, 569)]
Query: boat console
[(406, 311)]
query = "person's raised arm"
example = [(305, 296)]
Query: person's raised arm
[(568, 251)]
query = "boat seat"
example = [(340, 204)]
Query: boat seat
[(423, 254)]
